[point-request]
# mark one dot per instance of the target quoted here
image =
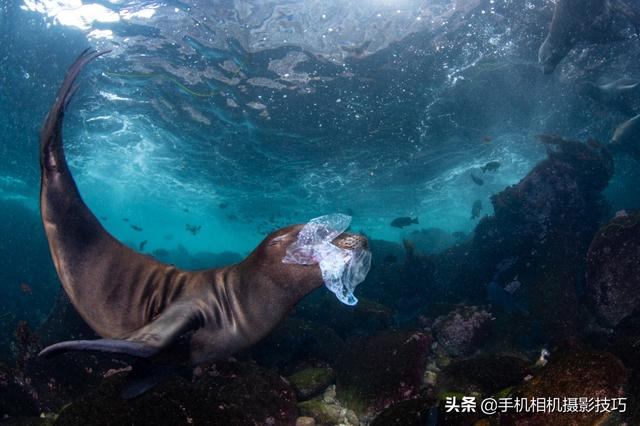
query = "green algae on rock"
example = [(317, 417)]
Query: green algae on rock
[(311, 381)]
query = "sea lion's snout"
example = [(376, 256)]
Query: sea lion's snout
[(350, 241)]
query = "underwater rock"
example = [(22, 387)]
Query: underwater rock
[(15, 399), (362, 319), (379, 371), (613, 269), (322, 412), (572, 372), (311, 381), (297, 342), (305, 421), (57, 381), (545, 224), (463, 330), (412, 412), (327, 410), (484, 375), (227, 393)]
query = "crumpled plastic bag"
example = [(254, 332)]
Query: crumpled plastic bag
[(342, 269)]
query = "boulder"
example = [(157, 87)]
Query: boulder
[(613, 269), (222, 394), (382, 370), (463, 330)]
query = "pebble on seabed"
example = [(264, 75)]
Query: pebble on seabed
[(305, 421)]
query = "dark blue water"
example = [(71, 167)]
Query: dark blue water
[(243, 117)]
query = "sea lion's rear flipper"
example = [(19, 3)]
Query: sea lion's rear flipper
[(178, 319)]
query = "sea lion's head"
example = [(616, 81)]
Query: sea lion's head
[(290, 260)]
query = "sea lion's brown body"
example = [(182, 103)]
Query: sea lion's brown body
[(141, 306)]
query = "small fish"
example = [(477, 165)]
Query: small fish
[(401, 222), (103, 218), (26, 288), (491, 166), (193, 229), (186, 210), (136, 228), (124, 219), (486, 139), (350, 212), (142, 244), (476, 209), (223, 205), (477, 180)]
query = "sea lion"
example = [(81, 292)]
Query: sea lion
[(143, 307), (573, 21)]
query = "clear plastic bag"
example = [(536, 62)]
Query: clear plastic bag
[(342, 269)]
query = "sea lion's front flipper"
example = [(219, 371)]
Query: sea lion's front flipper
[(176, 320)]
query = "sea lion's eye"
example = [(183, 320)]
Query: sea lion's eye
[(277, 240)]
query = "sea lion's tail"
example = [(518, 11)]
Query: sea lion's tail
[(51, 148)]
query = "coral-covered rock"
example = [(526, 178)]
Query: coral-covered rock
[(539, 234), (573, 372), (463, 330), (379, 371), (613, 269), (225, 394)]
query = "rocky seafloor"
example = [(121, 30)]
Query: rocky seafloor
[(540, 301)]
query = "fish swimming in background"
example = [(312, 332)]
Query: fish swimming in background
[(124, 219), (193, 229), (491, 166), (223, 205), (401, 222), (477, 180), (486, 139), (142, 244), (26, 288), (476, 209), (136, 228)]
